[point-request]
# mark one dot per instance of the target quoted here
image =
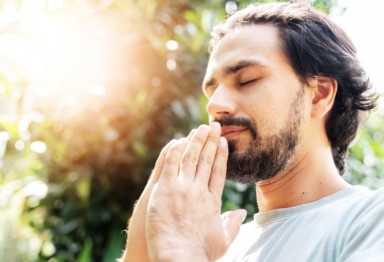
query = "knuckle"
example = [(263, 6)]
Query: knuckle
[(218, 169), (171, 159), (222, 153), (207, 158), (185, 169), (178, 147), (190, 159), (200, 139), (174, 154), (214, 139)]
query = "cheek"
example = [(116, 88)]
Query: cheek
[(269, 117)]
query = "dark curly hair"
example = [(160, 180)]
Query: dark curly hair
[(315, 46)]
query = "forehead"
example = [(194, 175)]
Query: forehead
[(259, 43)]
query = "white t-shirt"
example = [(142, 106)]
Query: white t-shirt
[(345, 226)]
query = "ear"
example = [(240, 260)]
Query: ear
[(324, 91)]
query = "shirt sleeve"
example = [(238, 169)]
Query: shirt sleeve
[(365, 239)]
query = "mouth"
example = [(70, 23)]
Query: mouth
[(231, 132)]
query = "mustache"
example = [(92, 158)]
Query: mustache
[(238, 121)]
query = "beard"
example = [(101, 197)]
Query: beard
[(265, 157)]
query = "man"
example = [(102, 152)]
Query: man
[(286, 96)]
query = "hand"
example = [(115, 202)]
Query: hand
[(136, 246), (183, 221)]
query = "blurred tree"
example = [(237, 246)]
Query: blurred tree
[(97, 88), (366, 155)]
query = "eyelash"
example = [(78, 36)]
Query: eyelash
[(248, 82)]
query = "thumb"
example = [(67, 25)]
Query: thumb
[(232, 221)]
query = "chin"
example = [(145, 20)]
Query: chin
[(237, 147)]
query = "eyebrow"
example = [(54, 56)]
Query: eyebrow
[(233, 69)]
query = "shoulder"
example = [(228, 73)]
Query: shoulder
[(365, 238), (369, 203), (366, 207)]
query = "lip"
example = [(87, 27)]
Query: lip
[(230, 132)]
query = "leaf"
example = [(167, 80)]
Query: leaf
[(86, 253), (83, 188), (115, 244)]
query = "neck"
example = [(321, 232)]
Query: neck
[(313, 177)]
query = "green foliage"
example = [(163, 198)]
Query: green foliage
[(366, 159), (83, 129), (91, 132)]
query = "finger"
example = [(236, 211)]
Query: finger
[(219, 169), (160, 160), (191, 155), (172, 160), (136, 244), (189, 137), (160, 163), (208, 155), (140, 206), (143, 200), (232, 221)]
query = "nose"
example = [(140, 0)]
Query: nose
[(221, 103)]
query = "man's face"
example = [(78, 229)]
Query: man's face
[(259, 101)]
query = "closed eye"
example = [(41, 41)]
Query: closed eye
[(248, 82)]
